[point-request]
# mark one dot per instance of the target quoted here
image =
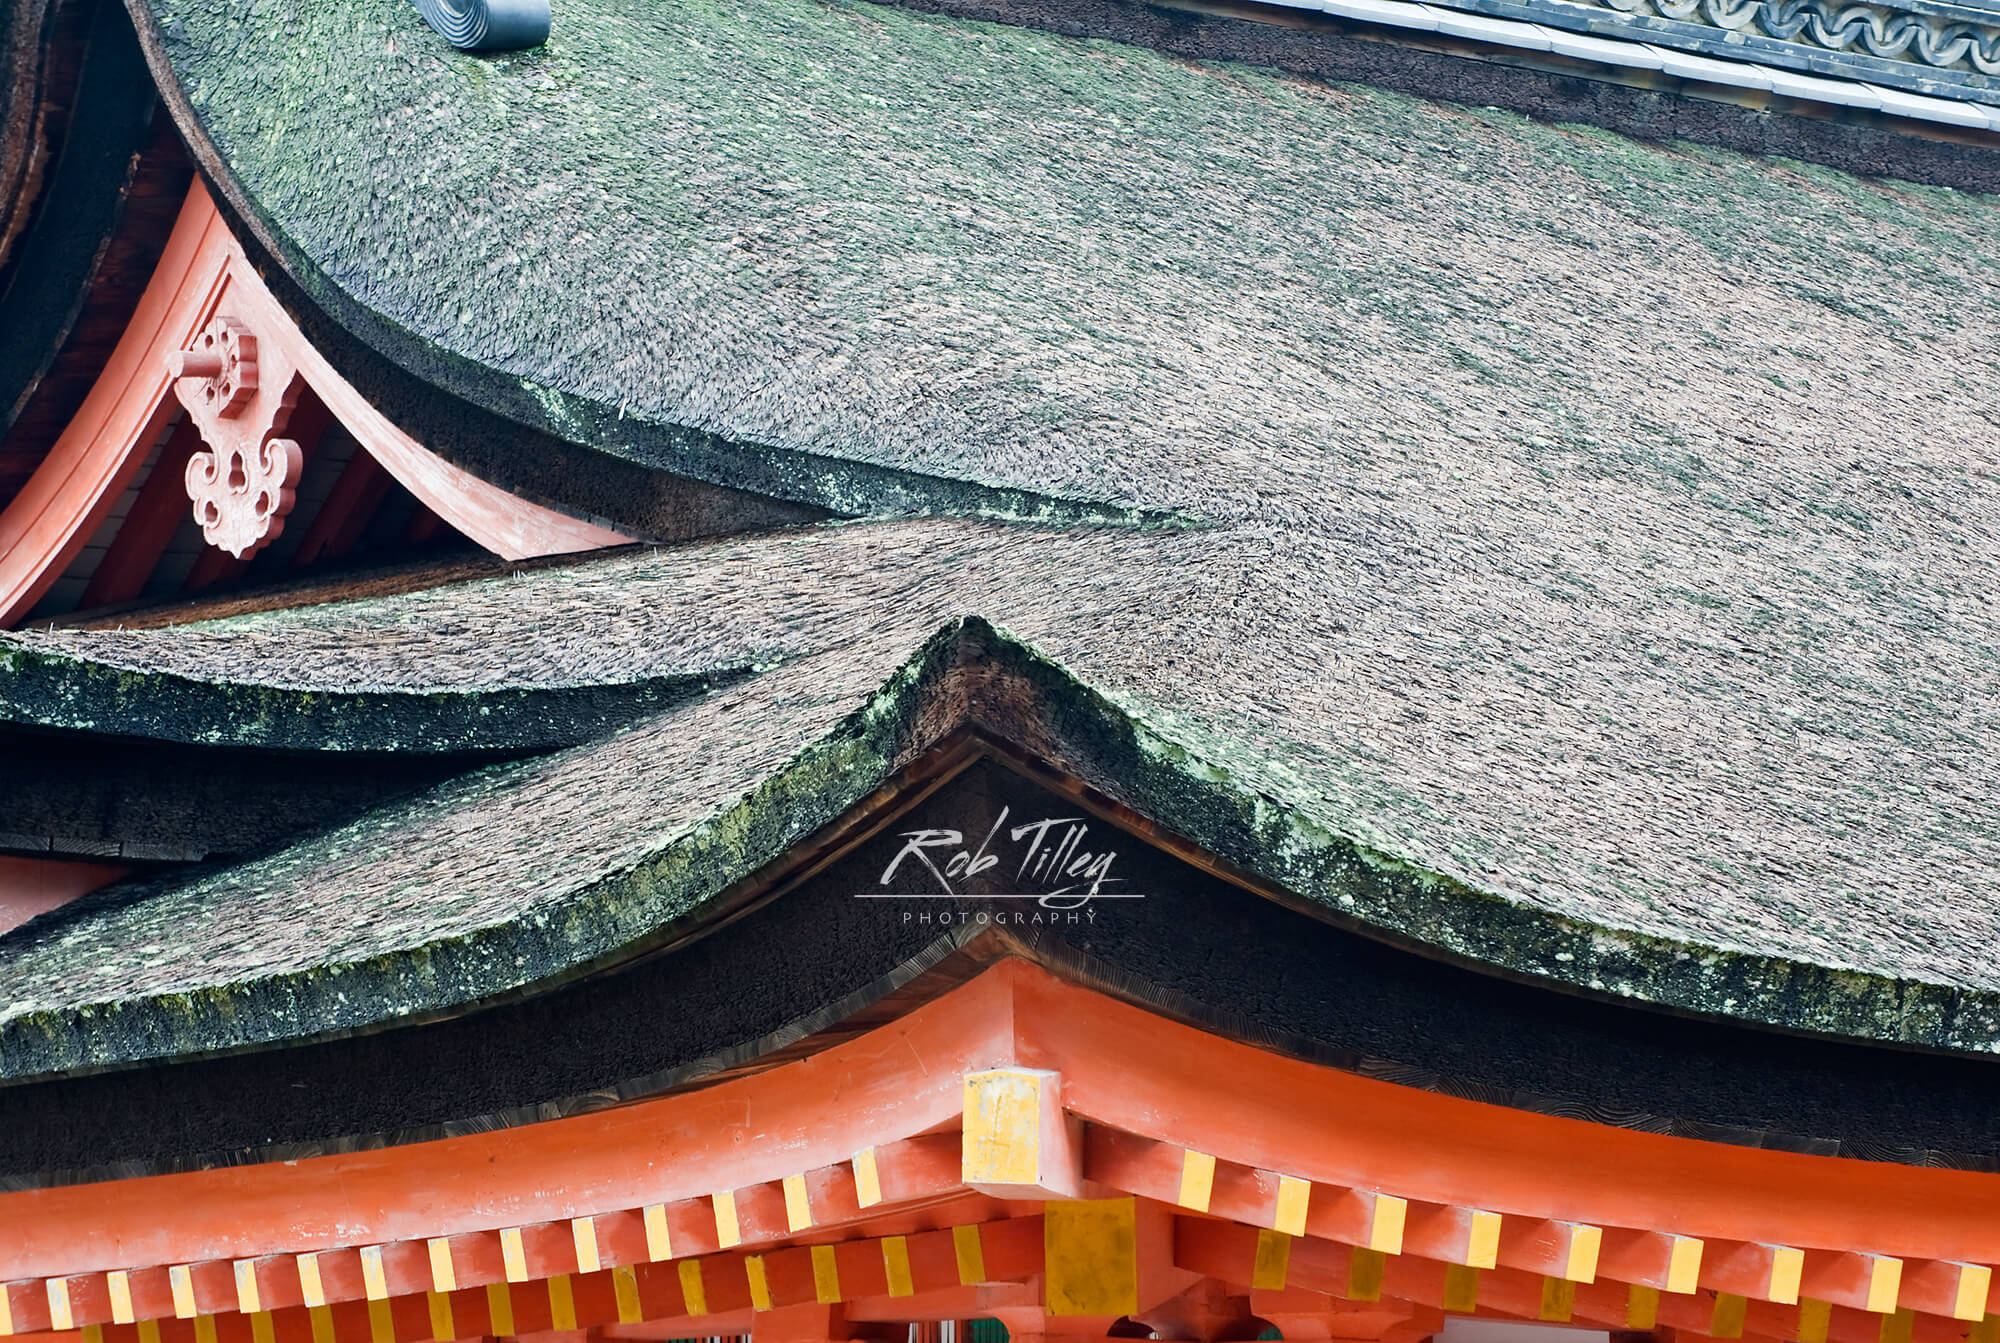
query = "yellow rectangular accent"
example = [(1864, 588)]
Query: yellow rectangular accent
[(375, 1282), (1090, 1253), (59, 1312), (119, 1284), (513, 1255), (798, 1208), (1585, 1243), (1642, 1308), (826, 1275), (659, 1242), (204, 1329), (1461, 1289), (149, 1331), (1272, 1261), (1897, 1326), (444, 1274), (727, 1231), (6, 1312), (583, 1231), (260, 1327), (381, 1322), (246, 1287), (760, 1286), (1684, 1265), (1986, 1331), (867, 1179), (1727, 1319), (1885, 1284), (562, 1305), (182, 1282), (896, 1266), (625, 1286), (1365, 1270), (500, 1307), (1787, 1266), (311, 1290), (1002, 1138), (1197, 1180), (1482, 1241), (971, 1255), (692, 1294), (94, 1333), (1289, 1215), (442, 1324), (321, 1318), (1815, 1320), (1386, 1222), (1558, 1299), (1974, 1282)]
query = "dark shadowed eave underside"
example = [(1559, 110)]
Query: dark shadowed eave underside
[(146, 973)]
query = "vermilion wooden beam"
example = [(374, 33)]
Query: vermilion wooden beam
[(157, 512)]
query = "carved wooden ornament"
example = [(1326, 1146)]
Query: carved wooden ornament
[(247, 481)]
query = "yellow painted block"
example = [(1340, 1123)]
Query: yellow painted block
[(1787, 1267), (59, 1312), (1003, 1126), (1365, 1271), (562, 1305), (583, 1233), (381, 1322), (693, 1295), (1975, 1281), (500, 1307), (1482, 1242), (1727, 1319), (659, 1244), (119, 1284), (181, 1281), (1815, 1320), (826, 1275), (1091, 1252), (1642, 1308), (442, 1324), (1294, 1194), (321, 1319), (149, 1331), (260, 1327), (625, 1287), (1585, 1243), (971, 1255), (760, 1285), (1461, 1288), (867, 1179), (246, 1287), (1272, 1261), (1885, 1284), (1197, 1180), (728, 1231), (94, 1333), (6, 1314), (444, 1276), (1386, 1222), (513, 1255), (1897, 1326), (1558, 1299), (311, 1289), (798, 1207), (1684, 1265), (896, 1266), (204, 1329), (375, 1281)]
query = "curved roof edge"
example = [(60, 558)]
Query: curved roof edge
[(345, 326), (1215, 798), (56, 692)]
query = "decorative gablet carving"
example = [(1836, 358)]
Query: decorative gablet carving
[(489, 25), (247, 481)]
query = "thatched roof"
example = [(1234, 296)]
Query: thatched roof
[(1596, 537)]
